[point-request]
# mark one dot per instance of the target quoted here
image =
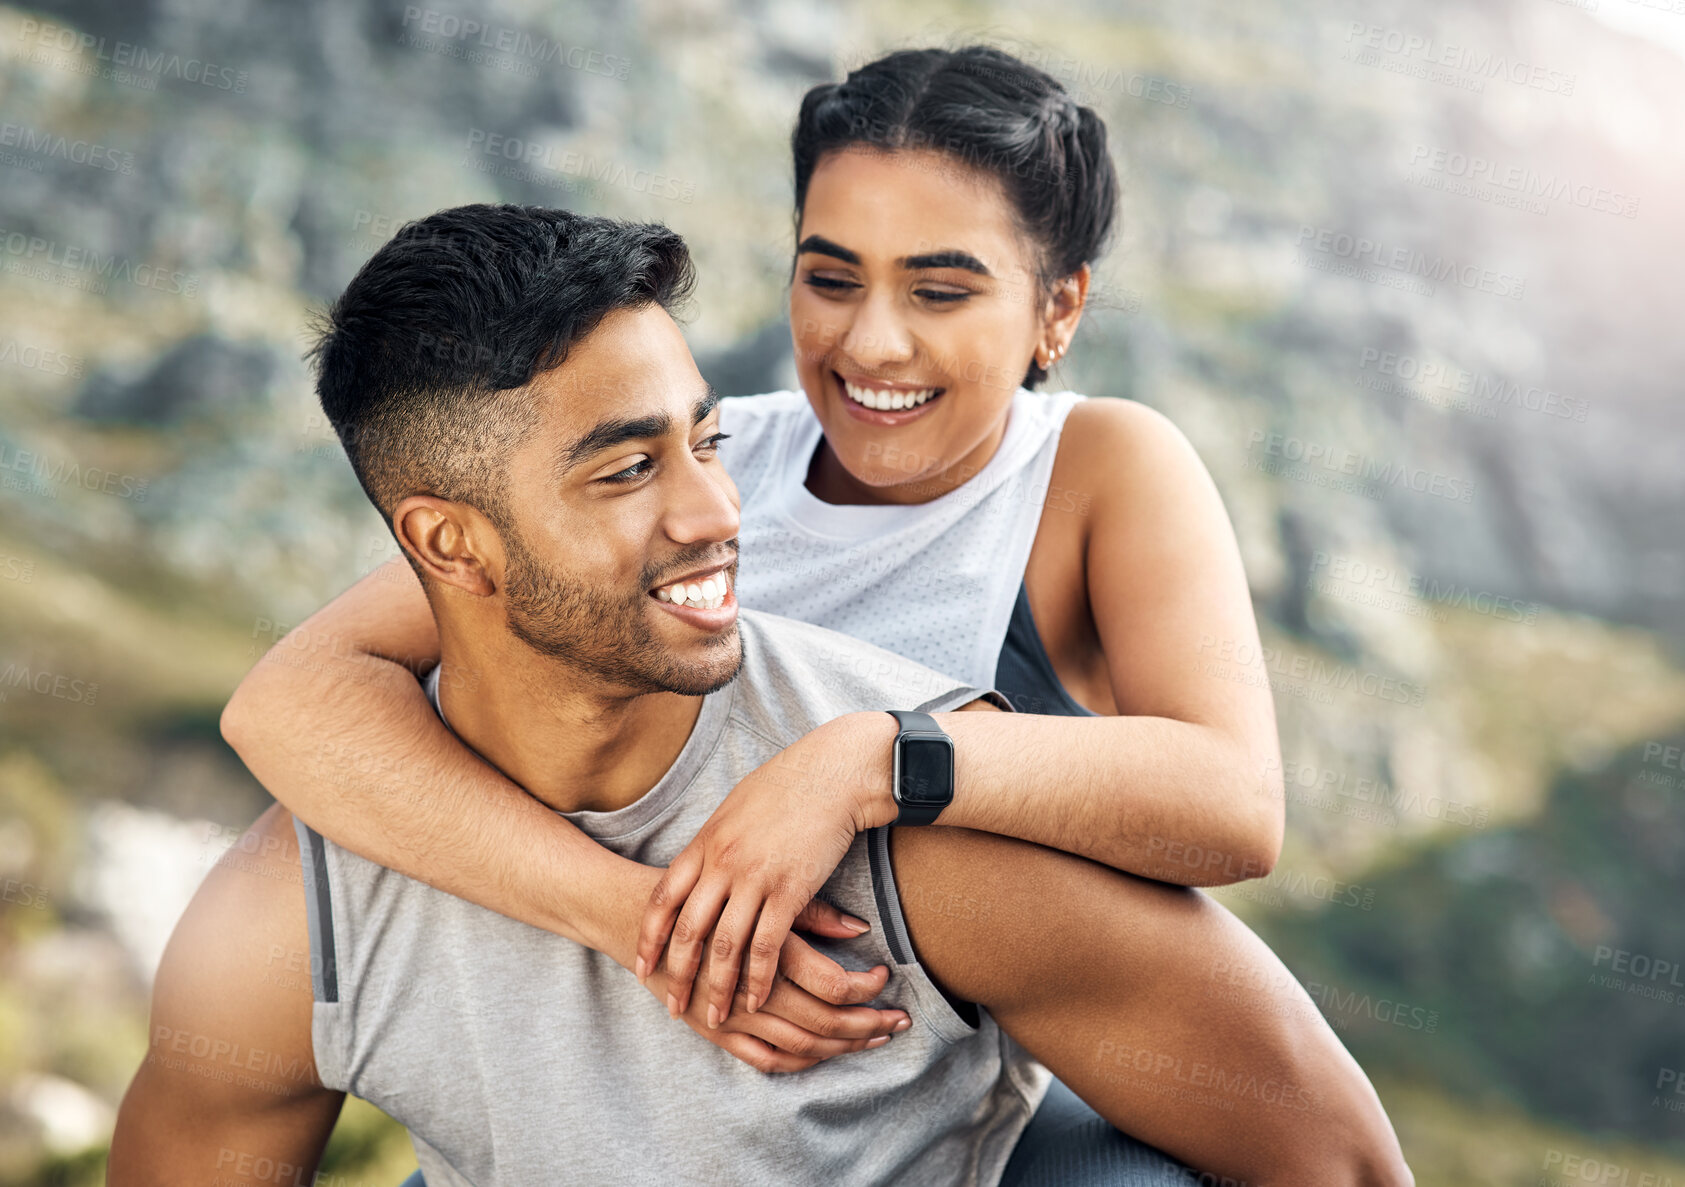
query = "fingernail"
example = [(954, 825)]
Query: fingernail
[(642, 970), (672, 1006), (903, 1024), (856, 925), (754, 1003), (713, 1017), (877, 1042)]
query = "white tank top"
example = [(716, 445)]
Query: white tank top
[(935, 581)]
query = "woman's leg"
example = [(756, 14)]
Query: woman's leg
[(1155, 1004), (1068, 1144)]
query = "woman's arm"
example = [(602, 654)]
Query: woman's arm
[(1184, 786), (334, 723)]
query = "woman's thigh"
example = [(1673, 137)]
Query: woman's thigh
[(1154, 1003)]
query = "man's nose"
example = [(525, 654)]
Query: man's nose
[(701, 505)]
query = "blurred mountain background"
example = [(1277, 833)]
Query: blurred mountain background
[(1408, 275)]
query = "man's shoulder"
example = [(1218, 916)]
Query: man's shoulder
[(241, 952), (797, 675), (232, 1002), (230, 1064)]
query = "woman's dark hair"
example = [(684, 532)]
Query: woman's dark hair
[(992, 112)]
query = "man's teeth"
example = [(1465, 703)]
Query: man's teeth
[(885, 401), (709, 594)]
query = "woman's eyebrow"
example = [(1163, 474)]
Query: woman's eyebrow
[(945, 259), (951, 258), (823, 246)]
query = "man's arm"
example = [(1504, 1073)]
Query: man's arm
[(229, 1079), (1152, 1002)]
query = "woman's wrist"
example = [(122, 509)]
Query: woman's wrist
[(590, 895), (624, 887)]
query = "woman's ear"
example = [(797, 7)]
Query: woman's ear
[(453, 543), (1064, 310)]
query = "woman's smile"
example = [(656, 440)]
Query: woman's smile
[(881, 402)]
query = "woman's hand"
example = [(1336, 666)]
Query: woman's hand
[(794, 1029), (753, 867)]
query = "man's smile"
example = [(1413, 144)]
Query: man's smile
[(704, 598)]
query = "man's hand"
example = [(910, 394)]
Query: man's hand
[(795, 1029), (756, 865)]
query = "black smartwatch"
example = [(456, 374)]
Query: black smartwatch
[(923, 781)]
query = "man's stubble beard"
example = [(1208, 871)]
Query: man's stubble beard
[(604, 636)]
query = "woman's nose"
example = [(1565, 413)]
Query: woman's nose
[(878, 335)]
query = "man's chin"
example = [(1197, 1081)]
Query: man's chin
[(704, 666)]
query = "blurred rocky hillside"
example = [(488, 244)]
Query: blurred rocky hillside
[(1407, 275)]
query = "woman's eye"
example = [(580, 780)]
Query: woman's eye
[(939, 297), (831, 283)]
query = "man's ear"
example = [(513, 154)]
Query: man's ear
[(454, 544)]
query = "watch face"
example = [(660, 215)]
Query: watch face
[(926, 771)]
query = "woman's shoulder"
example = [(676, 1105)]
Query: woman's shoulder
[(746, 412), (757, 429), (1110, 446)]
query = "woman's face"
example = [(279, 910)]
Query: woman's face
[(915, 313)]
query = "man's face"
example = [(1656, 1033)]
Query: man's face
[(618, 494)]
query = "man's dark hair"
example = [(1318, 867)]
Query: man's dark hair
[(423, 362)]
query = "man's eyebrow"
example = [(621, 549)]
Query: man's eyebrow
[(823, 246), (705, 405), (945, 259), (610, 433)]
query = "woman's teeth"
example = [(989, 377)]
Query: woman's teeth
[(887, 401), (708, 594)]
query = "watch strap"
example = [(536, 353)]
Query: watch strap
[(912, 721)]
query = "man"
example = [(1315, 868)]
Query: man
[(567, 479)]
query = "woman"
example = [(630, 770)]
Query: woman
[(1072, 553)]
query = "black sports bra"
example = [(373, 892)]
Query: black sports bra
[(1024, 675)]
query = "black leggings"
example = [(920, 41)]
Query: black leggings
[(1068, 1144)]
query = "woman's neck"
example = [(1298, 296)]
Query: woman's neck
[(829, 481)]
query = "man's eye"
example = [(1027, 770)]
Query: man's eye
[(631, 473), (714, 441)]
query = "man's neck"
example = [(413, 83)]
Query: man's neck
[(571, 743)]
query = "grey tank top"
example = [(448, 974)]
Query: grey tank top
[(514, 1056)]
